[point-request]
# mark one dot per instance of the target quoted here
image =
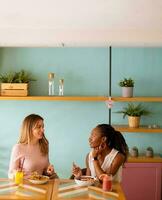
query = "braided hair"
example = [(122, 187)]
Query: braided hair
[(114, 138)]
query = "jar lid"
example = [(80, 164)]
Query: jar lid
[(61, 81), (51, 75)]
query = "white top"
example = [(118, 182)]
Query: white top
[(34, 160), (106, 164)]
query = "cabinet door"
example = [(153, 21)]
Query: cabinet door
[(142, 181)]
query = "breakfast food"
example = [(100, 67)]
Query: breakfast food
[(86, 178), (36, 176)]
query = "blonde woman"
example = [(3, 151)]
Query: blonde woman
[(31, 151)]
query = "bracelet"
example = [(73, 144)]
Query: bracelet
[(94, 158)]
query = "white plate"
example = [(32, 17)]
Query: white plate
[(90, 181), (44, 180)]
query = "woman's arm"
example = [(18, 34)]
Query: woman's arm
[(15, 161), (117, 162), (88, 172)]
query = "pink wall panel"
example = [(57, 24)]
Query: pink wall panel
[(142, 181)]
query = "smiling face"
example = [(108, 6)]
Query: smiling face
[(38, 130), (95, 138)]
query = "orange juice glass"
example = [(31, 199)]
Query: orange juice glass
[(19, 175)]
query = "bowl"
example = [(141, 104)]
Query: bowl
[(42, 180), (85, 181)]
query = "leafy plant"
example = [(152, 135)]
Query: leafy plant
[(126, 82), (134, 110), (16, 77)]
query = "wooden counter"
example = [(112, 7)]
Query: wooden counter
[(144, 159)]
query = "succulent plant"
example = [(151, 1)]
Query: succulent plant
[(126, 82), (16, 77), (134, 110)]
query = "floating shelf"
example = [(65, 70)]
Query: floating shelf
[(144, 159), (56, 98), (144, 129), (82, 98), (142, 99)]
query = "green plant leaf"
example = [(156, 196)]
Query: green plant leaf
[(126, 82), (16, 77), (134, 110)]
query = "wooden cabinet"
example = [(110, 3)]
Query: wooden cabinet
[(142, 180)]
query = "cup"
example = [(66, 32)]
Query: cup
[(19, 175), (107, 183)]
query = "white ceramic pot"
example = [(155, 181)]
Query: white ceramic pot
[(127, 91)]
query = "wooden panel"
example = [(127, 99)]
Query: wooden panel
[(14, 93), (144, 159), (67, 189), (142, 99), (57, 98), (144, 129), (14, 86), (25, 191), (142, 181)]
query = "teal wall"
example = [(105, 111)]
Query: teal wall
[(85, 71)]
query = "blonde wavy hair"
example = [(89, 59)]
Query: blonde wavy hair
[(26, 134)]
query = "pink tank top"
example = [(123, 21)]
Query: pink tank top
[(34, 160)]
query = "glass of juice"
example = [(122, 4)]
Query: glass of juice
[(19, 175)]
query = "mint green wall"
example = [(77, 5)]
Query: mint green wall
[(85, 70)]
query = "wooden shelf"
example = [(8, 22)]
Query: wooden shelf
[(56, 98), (142, 99), (82, 98), (144, 129), (144, 159)]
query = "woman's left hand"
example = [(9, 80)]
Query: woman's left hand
[(50, 169), (98, 150)]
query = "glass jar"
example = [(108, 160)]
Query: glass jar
[(51, 89), (61, 87)]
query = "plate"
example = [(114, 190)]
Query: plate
[(44, 179), (85, 181)]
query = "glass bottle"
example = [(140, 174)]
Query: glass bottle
[(61, 87), (51, 90)]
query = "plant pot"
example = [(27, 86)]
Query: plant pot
[(133, 121), (127, 91), (134, 152), (149, 152), (14, 89)]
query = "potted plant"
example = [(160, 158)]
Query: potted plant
[(134, 112), (149, 152), (127, 87), (15, 83), (134, 151)]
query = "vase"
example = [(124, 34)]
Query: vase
[(127, 91), (133, 121)]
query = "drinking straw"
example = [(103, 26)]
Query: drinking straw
[(22, 163)]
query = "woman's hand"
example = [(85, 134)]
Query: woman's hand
[(98, 150), (76, 171), (50, 170)]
